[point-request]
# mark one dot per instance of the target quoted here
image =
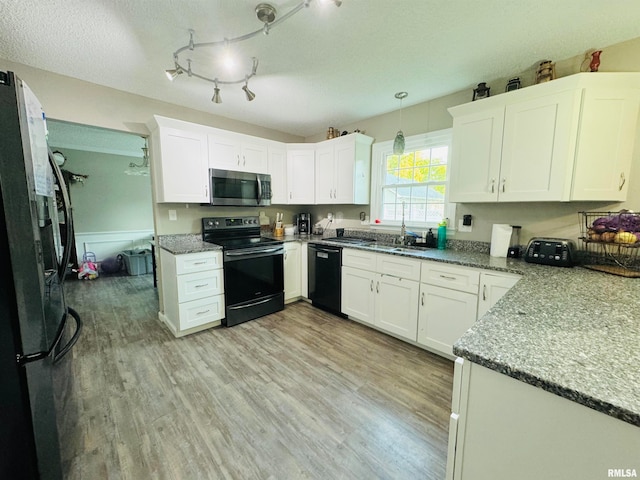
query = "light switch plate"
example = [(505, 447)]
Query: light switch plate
[(173, 215)]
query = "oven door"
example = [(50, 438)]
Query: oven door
[(239, 188), (253, 282)]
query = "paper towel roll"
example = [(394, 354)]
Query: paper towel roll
[(500, 238)]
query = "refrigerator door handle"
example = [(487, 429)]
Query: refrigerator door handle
[(68, 219), (34, 357), (74, 338)]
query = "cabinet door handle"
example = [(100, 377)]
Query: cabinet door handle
[(622, 181), (372, 285), (422, 300), (504, 181), (484, 291), (377, 287), (206, 191), (493, 185), (244, 160), (448, 277), (289, 195), (238, 157)]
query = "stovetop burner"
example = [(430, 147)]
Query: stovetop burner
[(235, 233)]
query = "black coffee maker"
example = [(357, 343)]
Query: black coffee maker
[(304, 223)]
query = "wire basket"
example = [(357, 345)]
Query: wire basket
[(610, 242)]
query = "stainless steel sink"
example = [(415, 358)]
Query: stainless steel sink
[(390, 248)]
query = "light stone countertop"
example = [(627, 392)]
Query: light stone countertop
[(180, 244), (571, 331)]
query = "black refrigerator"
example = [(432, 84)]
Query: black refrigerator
[(37, 328)]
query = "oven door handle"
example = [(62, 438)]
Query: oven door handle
[(252, 252), (240, 307)]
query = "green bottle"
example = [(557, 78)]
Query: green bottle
[(442, 234)]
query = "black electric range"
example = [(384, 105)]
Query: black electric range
[(253, 267)]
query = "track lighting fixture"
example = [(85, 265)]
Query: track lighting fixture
[(266, 14)]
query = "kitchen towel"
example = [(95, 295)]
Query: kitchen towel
[(500, 238)]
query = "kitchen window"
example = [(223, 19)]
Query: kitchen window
[(416, 181)]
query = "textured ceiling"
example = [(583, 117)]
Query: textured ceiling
[(325, 65)]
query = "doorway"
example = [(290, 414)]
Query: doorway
[(109, 185)]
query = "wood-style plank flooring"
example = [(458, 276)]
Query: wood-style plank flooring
[(300, 394)]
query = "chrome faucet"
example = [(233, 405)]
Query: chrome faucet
[(403, 230)]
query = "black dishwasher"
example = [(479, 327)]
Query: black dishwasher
[(325, 277)]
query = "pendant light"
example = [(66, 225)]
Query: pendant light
[(398, 143)]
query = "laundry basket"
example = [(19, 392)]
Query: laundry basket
[(137, 262)]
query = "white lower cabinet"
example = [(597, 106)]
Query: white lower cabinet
[(444, 316), (192, 291), (504, 429), (358, 293), (373, 295), (448, 305), (292, 271), (397, 306), (493, 286), (430, 303), (304, 270)]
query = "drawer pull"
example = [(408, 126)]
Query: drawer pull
[(202, 285), (448, 277), (199, 263), (203, 312)]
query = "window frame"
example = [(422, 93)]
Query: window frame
[(379, 153)]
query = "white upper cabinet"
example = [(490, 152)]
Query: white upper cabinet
[(301, 173), (605, 144), (342, 170), (232, 151), (569, 139), (277, 168), (178, 161)]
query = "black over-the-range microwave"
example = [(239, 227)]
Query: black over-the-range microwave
[(241, 189)]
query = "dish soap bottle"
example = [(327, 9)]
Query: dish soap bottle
[(431, 239), (442, 234)]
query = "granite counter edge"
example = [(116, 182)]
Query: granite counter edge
[(589, 401)]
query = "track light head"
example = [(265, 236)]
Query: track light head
[(250, 95), (172, 73), (216, 95)]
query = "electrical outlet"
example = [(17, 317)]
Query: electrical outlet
[(464, 228), (173, 215)]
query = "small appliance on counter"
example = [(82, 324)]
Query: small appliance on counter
[(514, 243), (304, 223), (551, 251)]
